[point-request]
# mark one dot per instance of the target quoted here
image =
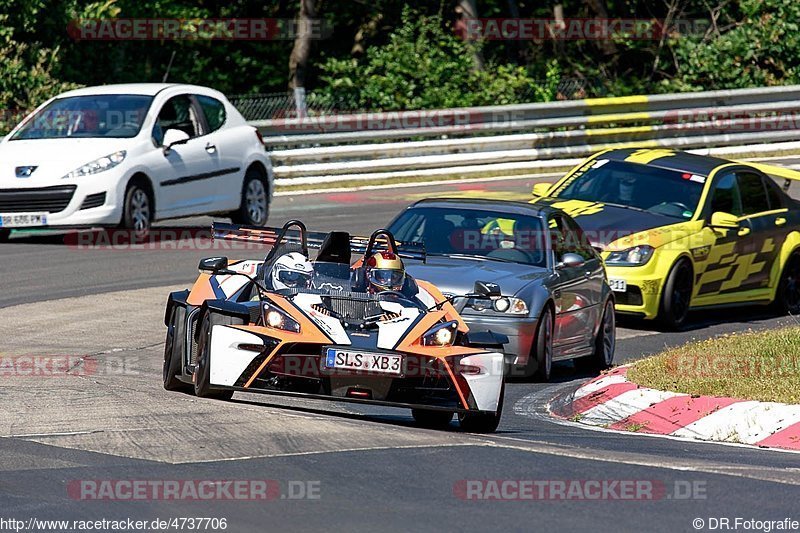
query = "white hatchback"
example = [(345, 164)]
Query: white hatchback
[(131, 154)]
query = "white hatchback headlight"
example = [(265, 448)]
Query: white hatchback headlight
[(636, 256), (98, 165)]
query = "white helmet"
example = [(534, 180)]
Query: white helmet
[(292, 271)]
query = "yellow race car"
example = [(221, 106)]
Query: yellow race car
[(679, 231)]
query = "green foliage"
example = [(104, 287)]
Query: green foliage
[(424, 66), (762, 48), (28, 71), (386, 55)]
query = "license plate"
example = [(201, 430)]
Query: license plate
[(618, 285), (344, 359), (22, 220)]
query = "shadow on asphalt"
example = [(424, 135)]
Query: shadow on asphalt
[(703, 319)]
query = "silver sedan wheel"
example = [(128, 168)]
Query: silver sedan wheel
[(547, 331), (255, 198), (140, 210)]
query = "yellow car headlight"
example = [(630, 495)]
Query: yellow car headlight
[(636, 256)]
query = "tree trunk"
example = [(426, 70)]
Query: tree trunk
[(466, 9), (606, 45), (298, 60)]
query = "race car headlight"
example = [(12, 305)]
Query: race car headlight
[(278, 319), (98, 165), (636, 256), (441, 334)]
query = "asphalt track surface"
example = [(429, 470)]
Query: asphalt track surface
[(373, 468)]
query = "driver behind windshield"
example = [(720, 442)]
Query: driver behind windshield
[(292, 271), (384, 272), (624, 191)]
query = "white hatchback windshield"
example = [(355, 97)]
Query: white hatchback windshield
[(103, 115)]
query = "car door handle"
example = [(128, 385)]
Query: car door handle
[(744, 231), (780, 221), (210, 148), (587, 274)]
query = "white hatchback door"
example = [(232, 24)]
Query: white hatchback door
[(229, 143), (184, 173)]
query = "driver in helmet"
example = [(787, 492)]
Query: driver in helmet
[(292, 271), (384, 272)]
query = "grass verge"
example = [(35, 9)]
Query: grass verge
[(762, 366)]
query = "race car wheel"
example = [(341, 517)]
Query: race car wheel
[(542, 354), (254, 208), (137, 210), (604, 343), (483, 422), (174, 349), (787, 298), (677, 295), (432, 419), (202, 372), (4, 235)]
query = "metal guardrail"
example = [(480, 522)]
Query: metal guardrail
[(518, 139)]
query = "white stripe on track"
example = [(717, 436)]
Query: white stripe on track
[(624, 405), (596, 385), (746, 422)]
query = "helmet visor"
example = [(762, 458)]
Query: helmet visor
[(293, 278), (389, 279)]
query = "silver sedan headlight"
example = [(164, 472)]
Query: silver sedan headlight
[(636, 256), (505, 305), (98, 165)]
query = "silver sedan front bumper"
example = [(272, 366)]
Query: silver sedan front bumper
[(520, 331)]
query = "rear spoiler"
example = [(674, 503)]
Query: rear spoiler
[(774, 171), (294, 232)]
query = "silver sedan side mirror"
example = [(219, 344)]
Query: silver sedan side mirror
[(570, 260)]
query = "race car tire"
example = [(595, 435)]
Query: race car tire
[(787, 299), (677, 296), (202, 372), (137, 210), (5, 234), (605, 343), (254, 207), (174, 346), (431, 419), (542, 354), (483, 422)]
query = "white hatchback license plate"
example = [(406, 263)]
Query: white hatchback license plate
[(382, 363), (618, 285), (23, 220)]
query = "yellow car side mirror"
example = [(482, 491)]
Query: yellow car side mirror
[(720, 219), (541, 189)]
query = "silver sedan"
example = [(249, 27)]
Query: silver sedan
[(558, 303)]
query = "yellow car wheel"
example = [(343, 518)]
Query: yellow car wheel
[(677, 295), (787, 298)]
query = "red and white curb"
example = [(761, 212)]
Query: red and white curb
[(613, 402)]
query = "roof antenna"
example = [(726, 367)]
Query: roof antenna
[(169, 66)]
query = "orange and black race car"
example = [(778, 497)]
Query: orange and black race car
[(324, 329)]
